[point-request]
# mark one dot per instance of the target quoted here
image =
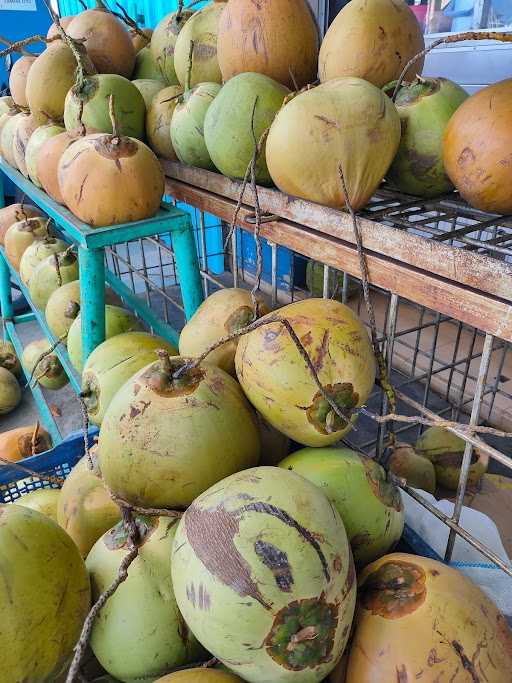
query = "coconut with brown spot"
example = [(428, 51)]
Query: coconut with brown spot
[(85, 509), (110, 179), (263, 575), (171, 432), (201, 29), (158, 121), (18, 79), (163, 42), (21, 235), (35, 145), (14, 213), (141, 633), (201, 675), (347, 122), (22, 134), (23, 442), (41, 500), (9, 359), (47, 372), (48, 163), (405, 462), (277, 38), (50, 274), (275, 378), (455, 631), (43, 603), (220, 315), (10, 392), (107, 41), (369, 504), (373, 40), (446, 451)]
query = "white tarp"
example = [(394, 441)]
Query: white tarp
[(20, 5)]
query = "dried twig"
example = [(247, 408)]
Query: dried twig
[(189, 67), (126, 18), (257, 211), (85, 428), (150, 512)]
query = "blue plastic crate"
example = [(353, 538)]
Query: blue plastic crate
[(58, 462)]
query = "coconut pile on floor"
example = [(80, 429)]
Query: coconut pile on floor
[(257, 545)]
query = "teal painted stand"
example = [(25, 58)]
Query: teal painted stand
[(91, 243)]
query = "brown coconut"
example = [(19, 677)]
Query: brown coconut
[(18, 79), (107, 41), (15, 213), (478, 149), (24, 129), (24, 442), (48, 163), (372, 39), (158, 121), (277, 38), (53, 31), (417, 471), (49, 80), (108, 179)]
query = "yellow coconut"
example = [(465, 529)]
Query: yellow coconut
[(107, 180), (24, 129), (24, 442), (39, 251), (164, 39), (107, 41), (453, 631), (49, 80), (10, 122), (18, 79), (277, 38), (14, 213), (417, 471), (346, 121), (200, 676), (201, 29), (42, 500), (372, 39), (85, 509), (158, 121), (223, 313), (48, 163), (21, 235), (275, 378)]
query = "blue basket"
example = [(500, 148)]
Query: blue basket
[(57, 462)]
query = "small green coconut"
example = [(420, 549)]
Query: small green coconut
[(8, 358), (370, 506), (48, 372), (51, 274), (10, 392), (227, 126), (187, 125), (141, 634), (163, 42), (35, 144), (146, 66), (37, 252), (95, 96), (112, 364), (117, 321), (148, 88), (158, 121)]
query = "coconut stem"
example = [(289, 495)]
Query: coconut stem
[(257, 211), (180, 9), (20, 44), (35, 438), (126, 19), (113, 120), (189, 68), (454, 38), (165, 361), (24, 52)]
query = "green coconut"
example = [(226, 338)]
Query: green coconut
[(8, 358), (347, 122), (113, 363), (48, 372), (158, 121), (148, 88), (20, 235), (425, 106), (187, 125), (117, 321), (95, 96), (146, 66), (43, 603), (201, 29), (261, 565), (278, 383), (51, 274), (166, 439), (42, 500), (64, 306), (10, 392), (85, 509), (417, 471), (445, 451), (35, 144), (141, 633), (163, 42), (24, 129), (227, 125), (39, 251), (370, 506)]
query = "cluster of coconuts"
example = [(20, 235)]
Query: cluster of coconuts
[(261, 570)]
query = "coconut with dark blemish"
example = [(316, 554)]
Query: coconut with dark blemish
[(418, 619), (173, 430), (370, 506), (47, 372), (277, 381), (223, 313), (8, 358), (264, 576), (140, 634), (163, 42), (425, 106), (113, 363)]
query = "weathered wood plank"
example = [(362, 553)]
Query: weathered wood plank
[(465, 267), (463, 303)]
